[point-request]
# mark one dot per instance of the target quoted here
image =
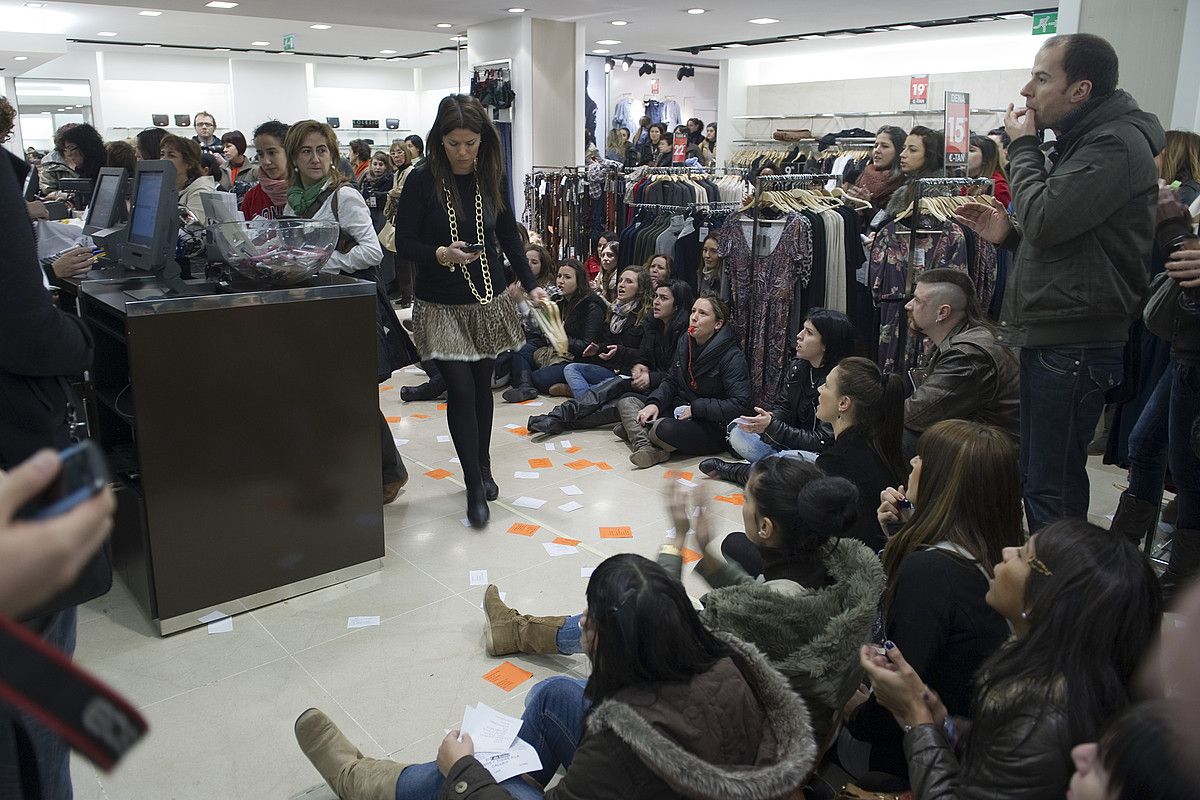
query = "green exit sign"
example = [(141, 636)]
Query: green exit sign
[(289, 42), (1045, 23)]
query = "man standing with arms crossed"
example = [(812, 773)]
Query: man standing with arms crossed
[(1082, 228)]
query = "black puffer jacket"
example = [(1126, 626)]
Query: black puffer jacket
[(658, 347), (584, 321), (714, 380), (1185, 339), (794, 424), (628, 342)]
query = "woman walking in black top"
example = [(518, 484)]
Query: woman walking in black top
[(463, 316)]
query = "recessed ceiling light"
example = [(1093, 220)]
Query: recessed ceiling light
[(35, 5), (152, 45), (841, 35), (220, 4), (387, 52), (149, 13), (1014, 16), (763, 21), (286, 53), (432, 53), (445, 25), (259, 44), (602, 52), (737, 44), (696, 10), (221, 49), (106, 33), (319, 27), (516, 11), (904, 27), (619, 22), (20, 58), (608, 41), (814, 36)]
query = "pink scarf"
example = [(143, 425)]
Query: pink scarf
[(276, 189)]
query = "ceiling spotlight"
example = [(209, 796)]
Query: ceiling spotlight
[(445, 25), (609, 64), (626, 63), (320, 27), (682, 73), (149, 13), (645, 69)]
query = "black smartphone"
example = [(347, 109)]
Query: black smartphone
[(473, 248), (83, 475)]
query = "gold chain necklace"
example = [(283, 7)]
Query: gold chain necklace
[(483, 259)]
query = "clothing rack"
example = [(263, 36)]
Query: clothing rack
[(719, 205), (670, 170), (797, 181)]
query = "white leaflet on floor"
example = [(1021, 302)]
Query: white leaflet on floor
[(564, 444), (586, 572), (549, 445), (213, 616), (670, 533), (466, 523), (478, 577), (443, 439), (400, 442), (687, 483), (528, 502), (533, 405), (221, 626), (361, 622), (414, 371), (455, 460), (512, 426), (556, 550), (529, 476), (503, 597), (571, 506), (490, 731), (571, 490), (518, 760)]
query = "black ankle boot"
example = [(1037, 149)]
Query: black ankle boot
[(430, 390), (478, 512), (736, 472), (545, 423), (490, 489)]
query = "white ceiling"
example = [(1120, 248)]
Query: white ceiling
[(365, 28)]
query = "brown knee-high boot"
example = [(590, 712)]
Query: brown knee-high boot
[(509, 631)]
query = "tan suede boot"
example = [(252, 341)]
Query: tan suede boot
[(510, 632), (351, 775)]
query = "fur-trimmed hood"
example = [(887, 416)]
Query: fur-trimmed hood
[(811, 636), (785, 747)]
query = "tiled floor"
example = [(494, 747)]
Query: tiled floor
[(221, 706)]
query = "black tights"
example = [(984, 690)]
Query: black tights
[(469, 413)]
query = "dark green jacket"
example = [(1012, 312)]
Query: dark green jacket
[(1084, 210)]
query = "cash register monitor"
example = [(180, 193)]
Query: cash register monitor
[(154, 221), (108, 200)]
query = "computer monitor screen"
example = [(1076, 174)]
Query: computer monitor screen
[(107, 207), (154, 222), (144, 218), (31, 184)]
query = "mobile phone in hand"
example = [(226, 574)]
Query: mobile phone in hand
[(83, 475), (473, 248)]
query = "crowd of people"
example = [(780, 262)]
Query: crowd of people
[(917, 599), (652, 145)]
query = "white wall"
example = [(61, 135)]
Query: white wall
[(264, 90), (697, 97)]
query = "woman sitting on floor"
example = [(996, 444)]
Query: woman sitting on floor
[(669, 711), (707, 386), (621, 339)]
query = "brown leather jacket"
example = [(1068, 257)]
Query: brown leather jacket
[(972, 376)]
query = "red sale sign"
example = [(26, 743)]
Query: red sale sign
[(958, 131), (679, 149), (918, 90)]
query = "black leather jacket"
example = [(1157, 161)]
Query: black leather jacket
[(794, 424)]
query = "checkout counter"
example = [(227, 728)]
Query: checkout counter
[(242, 428)]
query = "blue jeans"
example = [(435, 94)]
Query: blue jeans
[(542, 377), (552, 724), (1163, 434), (581, 377), (1062, 397), (1148, 442), (751, 446), (569, 636)]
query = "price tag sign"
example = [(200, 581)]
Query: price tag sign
[(918, 91), (654, 86), (958, 132), (679, 148)]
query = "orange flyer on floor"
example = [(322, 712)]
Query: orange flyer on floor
[(573, 450), (507, 676), (690, 555), (394, 419), (620, 532), (524, 529), (733, 499), (420, 416), (565, 541), (672, 474), (582, 463), (438, 474), (519, 431), (540, 463)]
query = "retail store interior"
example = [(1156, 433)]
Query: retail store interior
[(216, 629)]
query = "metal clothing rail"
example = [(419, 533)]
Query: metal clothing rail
[(798, 180), (714, 205), (671, 170)]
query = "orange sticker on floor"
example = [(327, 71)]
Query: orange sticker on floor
[(441, 406), (519, 431), (573, 450), (621, 532), (420, 416), (524, 529), (386, 388), (604, 465), (690, 555), (672, 474), (507, 676), (733, 499), (394, 419), (565, 541), (527, 402), (582, 463), (540, 463), (438, 474)]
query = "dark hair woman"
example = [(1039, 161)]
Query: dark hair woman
[(268, 197), (602, 240), (939, 564), (121, 154), (1085, 607), (656, 133), (1139, 756), (983, 161), (883, 175), (189, 178), (921, 157), (605, 282), (791, 427), (234, 148), (540, 369), (149, 143), (669, 711), (707, 386), (660, 267), (711, 277), (620, 340), (83, 151), (452, 222)]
